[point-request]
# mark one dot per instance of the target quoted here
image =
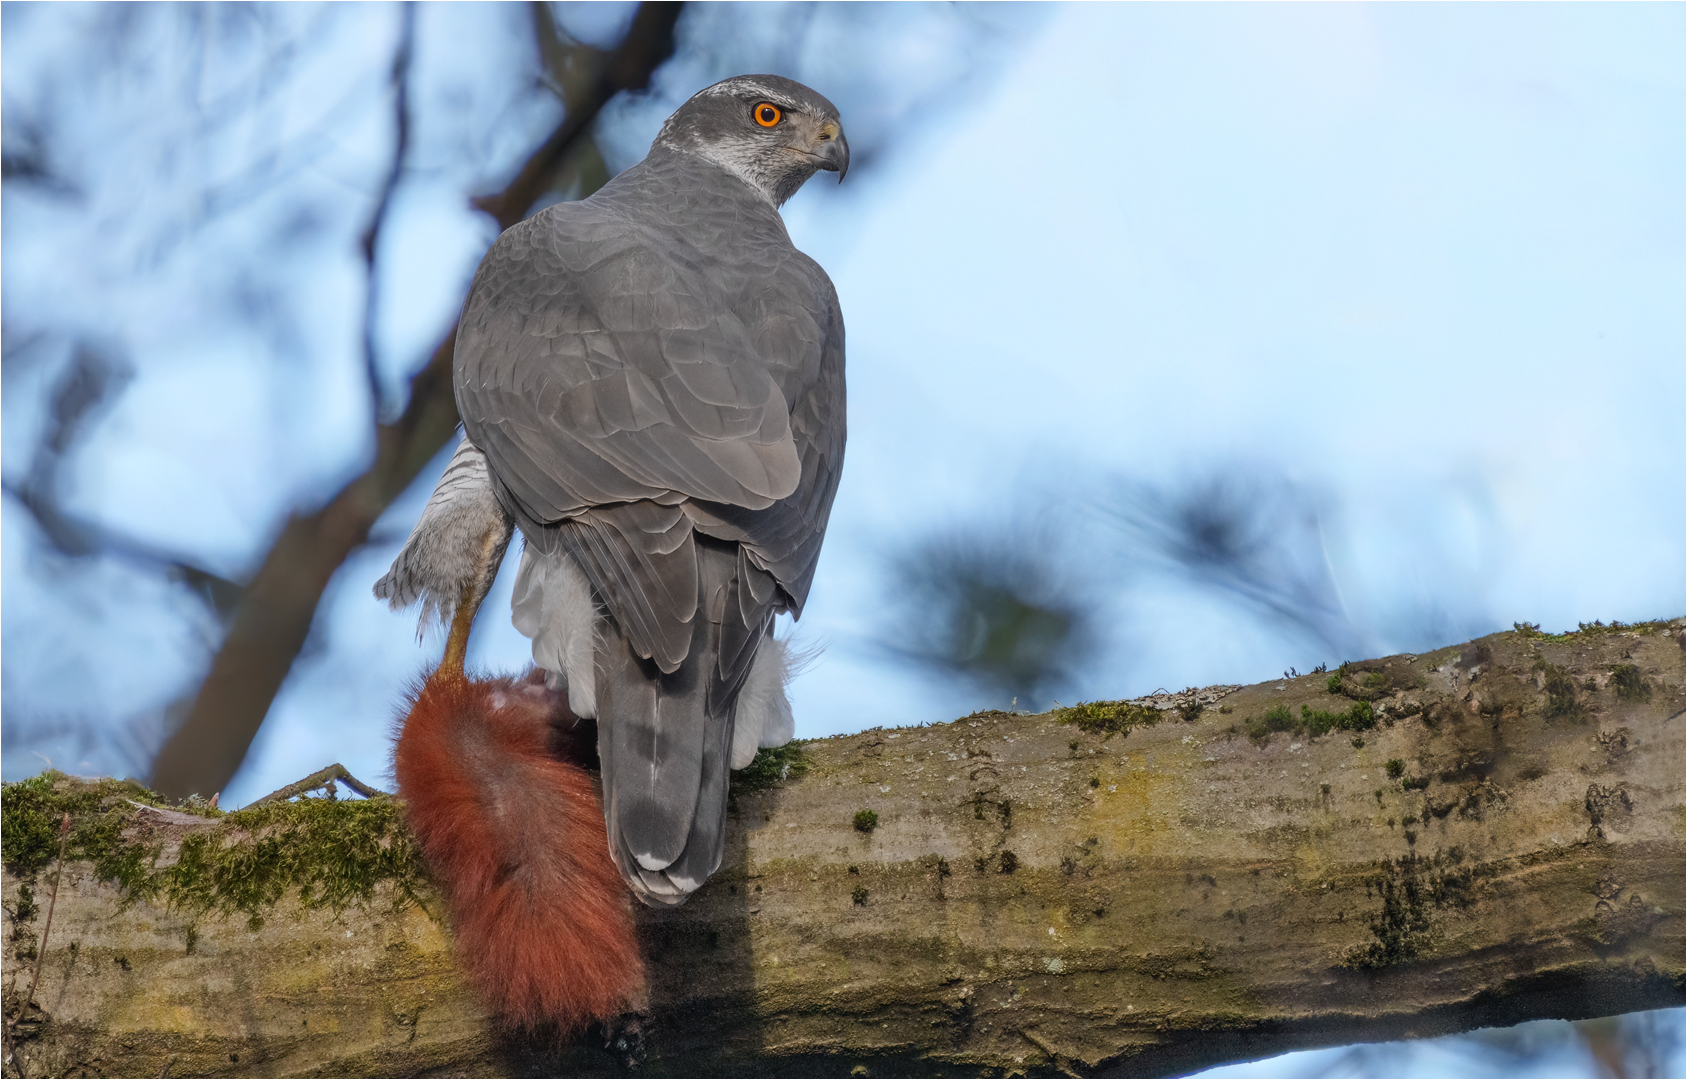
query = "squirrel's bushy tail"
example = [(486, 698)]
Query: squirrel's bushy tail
[(515, 838)]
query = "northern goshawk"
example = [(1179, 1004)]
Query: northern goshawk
[(651, 383)]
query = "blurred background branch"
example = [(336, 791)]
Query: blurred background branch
[(271, 623), (194, 447), (1006, 610), (1248, 536), (383, 203)]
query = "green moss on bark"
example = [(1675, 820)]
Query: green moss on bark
[(324, 853), (1107, 718), (771, 767)]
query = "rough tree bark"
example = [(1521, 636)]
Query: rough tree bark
[(1505, 844)]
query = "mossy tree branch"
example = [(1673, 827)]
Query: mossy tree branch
[(1121, 889)]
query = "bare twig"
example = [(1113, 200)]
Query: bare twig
[(274, 616), (52, 904), (1258, 540), (372, 234), (89, 384), (69, 534), (1053, 1055), (6, 1029), (40, 949), (174, 817), (649, 41), (322, 778)]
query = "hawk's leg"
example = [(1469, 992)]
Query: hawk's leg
[(489, 556), (452, 556)]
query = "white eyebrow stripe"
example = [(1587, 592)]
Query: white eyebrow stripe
[(732, 88)]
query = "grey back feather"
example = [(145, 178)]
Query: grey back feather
[(656, 378), (662, 343)]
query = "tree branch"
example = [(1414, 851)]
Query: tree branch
[(275, 613), (649, 42), (89, 384), (372, 234), (1504, 844), (322, 778)]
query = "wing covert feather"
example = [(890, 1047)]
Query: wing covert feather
[(636, 353), (642, 363)]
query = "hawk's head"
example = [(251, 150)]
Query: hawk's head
[(771, 132)]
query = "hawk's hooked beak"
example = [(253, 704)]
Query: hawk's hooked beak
[(832, 150)]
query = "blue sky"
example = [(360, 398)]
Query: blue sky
[(1423, 262), (1425, 258)]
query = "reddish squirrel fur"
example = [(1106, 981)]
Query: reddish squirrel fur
[(512, 830)]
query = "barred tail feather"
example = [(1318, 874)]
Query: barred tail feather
[(515, 838)]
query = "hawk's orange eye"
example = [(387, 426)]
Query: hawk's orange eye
[(767, 114)]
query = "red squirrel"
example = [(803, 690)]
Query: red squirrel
[(506, 815)]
